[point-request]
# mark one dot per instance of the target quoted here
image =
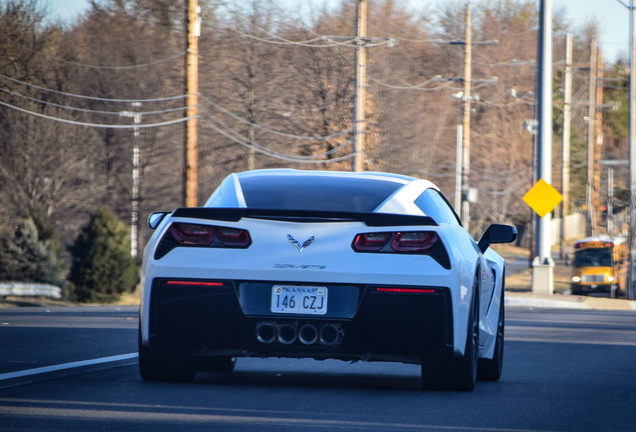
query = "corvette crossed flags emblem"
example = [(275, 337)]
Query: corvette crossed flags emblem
[(300, 248)]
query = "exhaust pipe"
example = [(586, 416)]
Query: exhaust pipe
[(287, 334), (329, 334), (265, 333), (308, 334)]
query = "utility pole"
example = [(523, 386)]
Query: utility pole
[(136, 179), (598, 134), (360, 83), (465, 213), (631, 292), (458, 167), (591, 140), (192, 91), (543, 264), (567, 125)]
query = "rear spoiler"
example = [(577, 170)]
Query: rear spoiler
[(303, 216)]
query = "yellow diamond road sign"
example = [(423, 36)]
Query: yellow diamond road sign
[(542, 198)]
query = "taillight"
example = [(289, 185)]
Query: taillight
[(197, 235), (371, 241), (413, 241), (192, 234), (409, 242), (233, 237)]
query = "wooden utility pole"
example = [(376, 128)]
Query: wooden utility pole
[(192, 91), (598, 134), (360, 82), (567, 125), (591, 140), (465, 213)]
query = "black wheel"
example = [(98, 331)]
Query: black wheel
[(456, 373), (490, 369), (164, 365)]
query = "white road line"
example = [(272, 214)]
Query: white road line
[(63, 366)]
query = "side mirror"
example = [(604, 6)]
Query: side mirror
[(497, 233), (155, 219)]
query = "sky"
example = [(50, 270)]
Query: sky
[(612, 16)]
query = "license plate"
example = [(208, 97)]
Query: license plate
[(304, 300)]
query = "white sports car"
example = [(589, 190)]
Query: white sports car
[(324, 265)]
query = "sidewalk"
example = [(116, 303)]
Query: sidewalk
[(564, 301)]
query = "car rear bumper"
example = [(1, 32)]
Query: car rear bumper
[(591, 288), (234, 318)]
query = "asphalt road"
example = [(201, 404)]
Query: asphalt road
[(565, 370)]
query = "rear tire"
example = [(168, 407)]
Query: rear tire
[(164, 365), (456, 373), (490, 369)]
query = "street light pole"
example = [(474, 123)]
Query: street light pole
[(543, 264)]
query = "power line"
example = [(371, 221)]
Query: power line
[(255, 145), (164, 99), (267, 152), (242, 120), (88, 111), (97, 125)]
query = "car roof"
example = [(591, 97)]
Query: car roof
[(368, 191)]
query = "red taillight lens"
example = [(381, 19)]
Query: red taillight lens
[(194, 283), (205, 235), (233, 237), (192, 234), (405, 290), (371, 241), (420, 241)]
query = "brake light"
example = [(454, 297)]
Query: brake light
[(406, 290), (413, 241), (194, 283), (192, 234), (371, 241)]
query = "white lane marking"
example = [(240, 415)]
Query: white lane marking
[(64, 366)]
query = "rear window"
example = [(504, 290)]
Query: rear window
[(317, 193)]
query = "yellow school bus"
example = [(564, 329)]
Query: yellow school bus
[(600, 265)]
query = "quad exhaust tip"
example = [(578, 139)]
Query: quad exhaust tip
[(265, 333), (287, 334), (307, 334), (329, 334)]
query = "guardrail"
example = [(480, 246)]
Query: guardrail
[(30, 290)]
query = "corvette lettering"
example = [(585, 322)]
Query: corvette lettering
[(300, 267)]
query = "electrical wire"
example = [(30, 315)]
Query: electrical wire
[(164, 99), (97, 125), (286, 135), (274, 155), (90, 111), (255, 145)]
